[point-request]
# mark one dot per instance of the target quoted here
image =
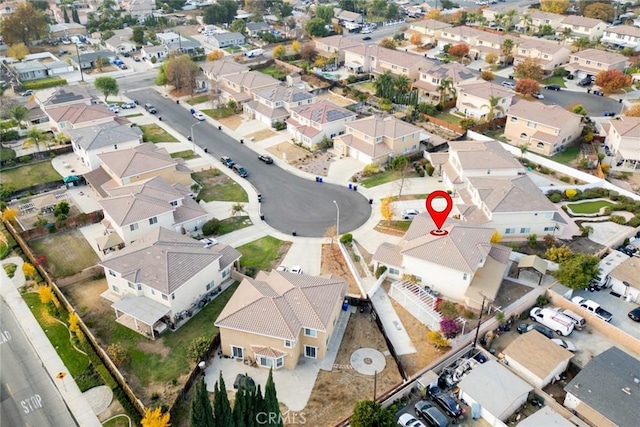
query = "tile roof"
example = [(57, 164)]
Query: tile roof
[(461, 249), (483, 155), (541, 45), (625, 30), (390, 254), (279, 304), (165, 260), (373, 150), (463, 31), (252, 79), (338, 42), (308, 131), (511, 194), (323, 112), (627, 126), (141, 159), (431, 24), (484, 89), (551, 115), (453, 70), (106, 135), (581, 21), (537, 353), (79, 113), (602, 384), (390, 56), (600, 56), (389, 127), (284, 94), (538, 14), (265, 110)]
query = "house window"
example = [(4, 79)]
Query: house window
[(174, 203), (513, 119), (112, 273), (531, 125), (310, 332), (133, 227), (464, 276), (394, 271), (131, 285), (209, 285), (115, 146), (523, 136), (279, 362), (288, 344), (588, 62), (237, 352), (165, 297), (139, 286), (540, 145), (549, 229), (173, 296), (115, 288), (510, 231), (310, 351), (525, 230)]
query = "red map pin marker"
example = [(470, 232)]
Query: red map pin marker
[(439, 217)]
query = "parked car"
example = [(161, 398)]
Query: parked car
[(538, 95), (198, 115), (366, 38), (449, 404), (296, 269), (593, 307), (586, 81), (27, 93), (564, 344), (509, 83), (123, 67), (525, 327), (267, 159), (243, 381), (129, 105), (64, 52), (240, 170), (227, 161), (282, 268), (407, 420), (432, 415), (434, 391), (137, 58), (634, 314), (550, 318), (114, 108), (410, 213), (208, 242), (150, 108), (552, 87)]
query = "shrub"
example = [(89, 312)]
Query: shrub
[(44, 83), (430, 169), (438, 340), (380, 270), (571, 193), (198, 348), (558, 254), (617, 219), (117, 353), (370, 169), (279, 125), (541, 301), (634, 222), (9, 135), (448, 309), (449, 327), (346, 239), (544, 170), (565, 178), (126, 403), (555, 198), (211, 227), (532, 240)]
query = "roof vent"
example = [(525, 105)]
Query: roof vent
[(627, 390), (636, 380)]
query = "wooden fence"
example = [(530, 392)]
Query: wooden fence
[(73, 222), (439, 122)]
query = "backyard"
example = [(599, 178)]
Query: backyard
[(66, 252), (30, 175), (263, 254), (567, 156), (592, 207), (154, 133), (274, 71), (219, 187)]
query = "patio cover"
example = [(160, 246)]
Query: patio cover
[(533, 262), (141, 308), (71, 178), (109, 241), (44, 201)]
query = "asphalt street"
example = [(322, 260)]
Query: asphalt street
[(289, 201), (27, 395)]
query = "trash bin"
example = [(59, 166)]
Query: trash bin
[(345, 306), (242, 141), (370, 201), (206, 150), (294, 233), (320, 179), (259, 198), (219, 127), (596, 93), (606, 114), (262, 217), (350, 185), (317, 179), (177, 101), (355, 188)]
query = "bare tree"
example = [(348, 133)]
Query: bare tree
[(402, 167)]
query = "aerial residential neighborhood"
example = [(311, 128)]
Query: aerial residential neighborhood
[(223, 213)]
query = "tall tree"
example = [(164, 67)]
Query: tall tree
[(259, 401), (578, 271), (325, 13), (221, 405), (315, 27), (239, 406), (507, 50), (181, 71), (18, 113), (138, 35), (493, 106), (602, 11), (367, 413), (612, 80), (65, 15), (24, 25), (223, 12), (554, 6), (18, 51), (529, 69), (74, 15), (35, 137), (402, 83), (107, 85), (201, 414), (272, 407), (446, 90)]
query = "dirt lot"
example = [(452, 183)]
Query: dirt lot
[(314, 163), (336, 99), (231, 122), (335, 393), (66, 252), (260, 135), (333, 263)]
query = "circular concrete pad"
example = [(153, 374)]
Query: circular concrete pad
[(368, 361), (99, 398)]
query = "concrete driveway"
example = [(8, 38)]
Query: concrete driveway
[(306, 254), (617, 306)]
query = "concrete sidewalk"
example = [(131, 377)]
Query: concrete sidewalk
[(392, 324), (67, 387)]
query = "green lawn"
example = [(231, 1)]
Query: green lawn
[(66, 252), (395, 225), (231, 224), (260, 253), (383, 178), (186, 155), (407, 197), (118, 421), (554, 80), (154, 133), (275, 72), (367, 87), (567, 156), (29, 175), (134, 115), (7, 153), (592, 207), (198, 99), (449, 118), (232, 49), (218, 113), (219, 187)]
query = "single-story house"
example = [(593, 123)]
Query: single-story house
[(89, 59), (222, 40)]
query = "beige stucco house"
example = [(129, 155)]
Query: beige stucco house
[(216, 70), (80, 115), (376, 139), (622, 36), (275, 104), (429, 29), (474, 99), (430, 79), (162, 274), (532, 20), (457, 35), (590, 62), (550, 55), (281, 318), (623, 137), (335, 46), (581, 26), (378, 60), (241, 87), (544, 129), (309, 124)]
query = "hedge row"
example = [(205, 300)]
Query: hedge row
[(44, 83)]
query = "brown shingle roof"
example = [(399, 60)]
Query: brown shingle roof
[(551, 115), (279, 304), (581, 21), (252, 79), (537, 353), (338, 42), (224, 67), (373, 150)]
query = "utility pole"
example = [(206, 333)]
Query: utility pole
[(79, 63)]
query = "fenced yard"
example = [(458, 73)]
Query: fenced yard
[(30, 175), (66, 252)]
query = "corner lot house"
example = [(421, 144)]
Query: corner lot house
[(474, 99), (309, 124), (89, 60), (90, 141), (462, 266), (274, 105), (374, 139), (216, 70), (537, 359), (545, 129), (241, 87), (604, 393), (590, 62), (581, 26), (162, 274), (279, 318), (623, 137), (498, 391), (74, 116), (622, 36)]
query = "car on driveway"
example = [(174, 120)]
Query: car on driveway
[(407, 420), (128, 105), (240, 170), (634, 314), (564, 344), (450, 405), (552, 87), (282, 268), (525, 327), (227, 161), (410, 213), (538, 95), (27, 93), (114, 108), (296, 269), (432, 415), (587, 81), (593, 307), (208, 242), (267, 159)]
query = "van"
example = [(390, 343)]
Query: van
[(550, 318), (578, 320)]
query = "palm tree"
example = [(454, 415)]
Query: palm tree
[(18, 113), (581, 43), (237, 209), (384, 85), (510, 17), (402, 83), (523, 150), (507, 50), (493, 107), (446, 88), (35, 137), (526, 22), (566, 33)]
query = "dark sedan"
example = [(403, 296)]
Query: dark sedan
[(634, 314), (267, 159), (449, 404), (432, 415), (552, 87), (525, 327)]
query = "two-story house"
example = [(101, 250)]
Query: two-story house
[(581, 26), (140, 8), (376, 139), (486, 43), (622, 36), (310, 124), (532, 20), (242, 87), (274, 105), (432, 80), (457, 35), (216, 70), (88, 142), (429, 29), (623, 137), (280, 318), (222, 40), (378, 60), (495, 13), (462, 265), (474, 99), (550, 55), (590, 62), (335, 46), (162, 274)]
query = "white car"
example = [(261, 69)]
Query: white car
[(410, 213), (564, 344), (198, 115), (114, 108), (538, 95), (208, 242), (408, 420), (128, 105), (296, 269), (282, 268)]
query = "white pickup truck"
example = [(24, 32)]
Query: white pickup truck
[(593, 307)]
